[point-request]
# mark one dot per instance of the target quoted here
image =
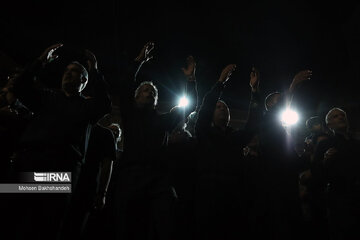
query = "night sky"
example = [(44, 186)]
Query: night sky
[(279, 37)]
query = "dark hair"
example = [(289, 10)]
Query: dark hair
[(137, 91), (270, 96), (312, 121), (83, 69)]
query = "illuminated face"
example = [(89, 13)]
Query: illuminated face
[(146, 95), (337, 120), (73, 80), (221, 114)]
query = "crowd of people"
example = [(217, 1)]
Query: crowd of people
[(183, 174)]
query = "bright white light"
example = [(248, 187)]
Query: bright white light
[(289, 117), (183, 102)]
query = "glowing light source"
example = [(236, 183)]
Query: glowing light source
[(183, 102), (289, 117)]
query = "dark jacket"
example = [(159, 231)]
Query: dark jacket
[(57, 134), (145, 130)]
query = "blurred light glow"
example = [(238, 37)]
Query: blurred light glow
[(289, 117), (183, 102)]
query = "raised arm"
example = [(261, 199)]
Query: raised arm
[(98, 100), (129, 77), (255, 106), (23, 85), (299, 78), (179, 114), (210, 99), (191, 88)]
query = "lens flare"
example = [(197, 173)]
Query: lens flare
[(289, 117), (183, 102)]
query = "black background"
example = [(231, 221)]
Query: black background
[(279, 37)]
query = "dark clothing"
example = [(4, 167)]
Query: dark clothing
[(54, 140), (182, 159), (316, 187), (216, 140), (145, 197), (144, 127), (145, 130), (281, 167), (13, 121), (342, 177), (101, 148), (220, 206), (313, 186)]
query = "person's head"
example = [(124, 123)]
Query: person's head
[(314, 124), (146, 95), (191, 121), (74, 79), (336, 120), (221, 117), (271, 100)]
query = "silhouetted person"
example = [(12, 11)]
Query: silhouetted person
[(342, 177), (311, 189), (89, 199), (102, 173), (220, 197), (282, 214), (145, 197), (62, 117), (14, 117), (56, 138)]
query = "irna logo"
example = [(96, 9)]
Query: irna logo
[(51, 177)]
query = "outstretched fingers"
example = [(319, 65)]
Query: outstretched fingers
[(47, 55), (226, 73)]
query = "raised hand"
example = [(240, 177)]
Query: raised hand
[(47, 56), (91, 60), (254, 79), (145, 53), (299, 78), (226, 73), (190, 69)]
